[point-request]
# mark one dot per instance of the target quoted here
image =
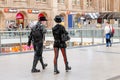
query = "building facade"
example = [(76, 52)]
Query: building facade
[(26, 11)]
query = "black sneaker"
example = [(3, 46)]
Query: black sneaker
[(35, 70)]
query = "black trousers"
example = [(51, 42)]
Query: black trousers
[(108, 42), (38, 50)]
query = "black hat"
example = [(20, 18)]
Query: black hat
[(58, 19), (42, 18)]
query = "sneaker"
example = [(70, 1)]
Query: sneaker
[(110, 45), (35, 70), (107, 46)]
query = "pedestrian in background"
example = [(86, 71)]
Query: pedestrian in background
[(57, 31), (107, 32), (37, 36)]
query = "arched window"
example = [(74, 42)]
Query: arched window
[(20, 20)]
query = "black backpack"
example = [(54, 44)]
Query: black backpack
[(37, 33)]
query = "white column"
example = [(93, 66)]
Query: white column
[(85, 5), (119, 5), (98, 5), (70, 4), (106, 7), (116, 5)]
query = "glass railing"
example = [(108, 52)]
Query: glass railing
[(16, 41)]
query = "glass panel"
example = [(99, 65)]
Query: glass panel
[(16, 41)]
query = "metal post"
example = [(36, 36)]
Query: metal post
[(20, 41), (0, 44), (118, 34), (103, 36), (81, 37), (70, 44), (93, 37)]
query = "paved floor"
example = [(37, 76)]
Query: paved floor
[(88, 63)]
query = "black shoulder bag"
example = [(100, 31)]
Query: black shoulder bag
[(65, 36)]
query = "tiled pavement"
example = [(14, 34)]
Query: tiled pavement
[(88, 63)]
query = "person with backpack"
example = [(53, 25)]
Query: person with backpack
[(109, 31), (37, 37), (112, 31), (59, 43)]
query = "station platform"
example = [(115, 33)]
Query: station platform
[(88, 63)]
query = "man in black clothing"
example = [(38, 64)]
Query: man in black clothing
[(37, 36)]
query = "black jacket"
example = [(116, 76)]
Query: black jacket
[(57, 30), (41, 39)]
